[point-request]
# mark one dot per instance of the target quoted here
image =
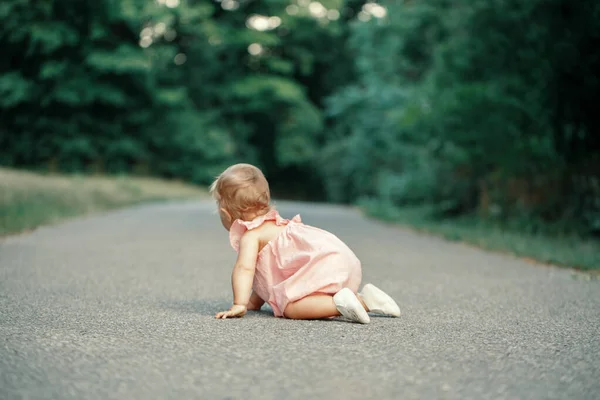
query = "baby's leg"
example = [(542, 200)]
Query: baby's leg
[(316, 306)]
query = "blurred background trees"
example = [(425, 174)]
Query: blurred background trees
[(479, 107)]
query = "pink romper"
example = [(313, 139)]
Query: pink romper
[(300, 261)]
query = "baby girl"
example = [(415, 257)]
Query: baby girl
[(302, 272)]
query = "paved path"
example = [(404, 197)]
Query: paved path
[(120, 306)]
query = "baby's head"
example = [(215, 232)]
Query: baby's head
[(241, 192)]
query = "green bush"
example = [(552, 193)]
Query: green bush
[(495, 117)]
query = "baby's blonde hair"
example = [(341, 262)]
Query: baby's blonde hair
[(243, 191)]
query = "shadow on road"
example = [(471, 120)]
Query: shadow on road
[(209, 307)]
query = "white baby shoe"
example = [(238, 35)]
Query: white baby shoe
[(378, 301), (350, 307)]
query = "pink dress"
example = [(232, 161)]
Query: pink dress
[(300, 261)]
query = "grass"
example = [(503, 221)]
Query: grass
[(28, 200), (567, 250)]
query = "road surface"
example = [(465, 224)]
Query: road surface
[(121, 306)]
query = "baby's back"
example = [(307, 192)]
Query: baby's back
[(301, 260), (268, 232)]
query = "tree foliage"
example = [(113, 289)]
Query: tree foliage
[(489, 109), (174, 88), (467, 106)]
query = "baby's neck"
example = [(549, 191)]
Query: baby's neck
[(252, 216)]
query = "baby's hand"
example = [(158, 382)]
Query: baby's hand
[(234, 311)]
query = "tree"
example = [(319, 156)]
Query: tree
[(486, 111)]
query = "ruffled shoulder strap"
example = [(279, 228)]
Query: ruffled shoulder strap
[(239, 227)]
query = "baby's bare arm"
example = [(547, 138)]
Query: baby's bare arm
[(242, 277), (243, 271)]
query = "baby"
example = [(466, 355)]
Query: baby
[(302, 272)]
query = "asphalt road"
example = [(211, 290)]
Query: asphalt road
[(121, 306)]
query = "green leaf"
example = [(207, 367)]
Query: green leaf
[(125, 59), (278, 65), (14, 89), (53, 69), (171, 97)]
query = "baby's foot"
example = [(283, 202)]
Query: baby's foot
[(378, 301), (349, 306)]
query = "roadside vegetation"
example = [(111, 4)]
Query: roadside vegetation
[(28, 200), (565, 250)]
